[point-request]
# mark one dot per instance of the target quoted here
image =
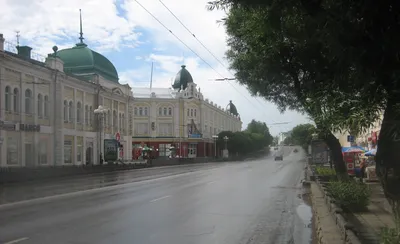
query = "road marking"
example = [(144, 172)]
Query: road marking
[(17, 240), (160, 198), (211, 182)]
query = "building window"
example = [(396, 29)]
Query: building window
[(65, 111), (42, 157), (79, 112), (195, 113), (145, 111), (16, 100), (191, 113), (28, 101), (142, 128), (70, 111), (160, 111), (123, 123), (91, 115), (115, 122), (46, 106), (170, 111), (135, 112), (40, 106), (108, 121), (165, 111), (8, 98), (164, 129), (67, 152), (164, 150), (140, 111), (188, 112), (79, 150), (86, 114), (12, 151), (120, 121)]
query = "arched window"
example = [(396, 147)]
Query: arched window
[(28, 101), (8, 98), (140, 111), (79, 112), (160, 111), (145, 111), (40, 105), (16, 100), (169, 111), (165, 111), (65, 111), (46, 106), (86, 114), (195, 112), (71, 112), (135, 112)]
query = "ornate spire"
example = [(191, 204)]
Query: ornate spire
[(80, 25)]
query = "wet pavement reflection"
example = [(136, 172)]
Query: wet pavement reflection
[(254, 202)]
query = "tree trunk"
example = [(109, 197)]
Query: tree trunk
[(336, 154), (388, 154)]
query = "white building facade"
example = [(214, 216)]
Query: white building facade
[(180, 117), (47, 108)]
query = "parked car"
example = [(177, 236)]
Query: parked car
[(291, 145)]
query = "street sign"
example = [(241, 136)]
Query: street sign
[(350, 138), (117, 136)]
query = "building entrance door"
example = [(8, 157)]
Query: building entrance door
[(192, 150)]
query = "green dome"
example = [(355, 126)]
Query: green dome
[(81, 60), (182, 78)]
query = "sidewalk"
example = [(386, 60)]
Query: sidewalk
[(369, 224), (325, 227)]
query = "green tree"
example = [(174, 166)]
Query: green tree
[(302, 134), (346, 48), (278, 59)]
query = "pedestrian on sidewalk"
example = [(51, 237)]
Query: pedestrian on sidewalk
[(363, 166)]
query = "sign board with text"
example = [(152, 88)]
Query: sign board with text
[(110, 150)]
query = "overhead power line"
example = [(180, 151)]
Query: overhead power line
[(210, 52)]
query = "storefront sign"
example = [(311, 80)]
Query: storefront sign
[(5, 125), (29, 128), (194, 136)]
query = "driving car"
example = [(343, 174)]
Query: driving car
[(279, 158), (295, 150)]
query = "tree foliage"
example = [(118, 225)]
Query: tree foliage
[(302, 134), (255, 138), (277, 55)]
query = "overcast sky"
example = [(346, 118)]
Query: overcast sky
[(132, 39)]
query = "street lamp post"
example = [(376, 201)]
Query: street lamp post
[(215, 137), (226, 142), (101, 111)]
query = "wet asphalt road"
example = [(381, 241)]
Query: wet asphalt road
[(250, 202)]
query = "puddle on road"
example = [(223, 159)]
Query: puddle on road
[(304, 213)]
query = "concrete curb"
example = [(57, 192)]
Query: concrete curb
[(349, 234)]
